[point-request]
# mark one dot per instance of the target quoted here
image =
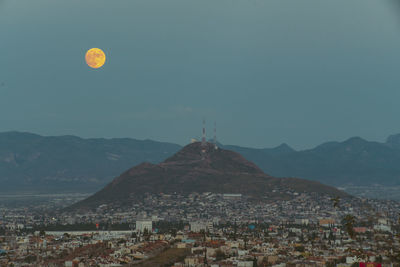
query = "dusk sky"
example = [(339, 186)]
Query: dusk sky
[(268, 71)]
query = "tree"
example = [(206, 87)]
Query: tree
[(219, 255), (205, 256), (146, 234), (66, 235), (379, 259), (336, 202), (30, 259), (173, 232), (331, 236), (255, 264), (348, 223), (300, 248), (42, 233), (235, 231)]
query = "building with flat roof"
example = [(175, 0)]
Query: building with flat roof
[(144, 224), (232, 196)]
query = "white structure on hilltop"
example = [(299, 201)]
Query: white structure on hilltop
[(144, 224)]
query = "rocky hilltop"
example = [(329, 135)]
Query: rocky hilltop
[(198, 168)]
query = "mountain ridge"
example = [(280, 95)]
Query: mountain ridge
[(31, 162), (43, 163), (353, 161)]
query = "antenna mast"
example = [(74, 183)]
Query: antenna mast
[(203, 138), (215, 135)]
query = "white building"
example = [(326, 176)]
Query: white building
[(210, 227), (232, 196), (383, 228), (198, 226), (144, 224), (302, 221), (245, 264)]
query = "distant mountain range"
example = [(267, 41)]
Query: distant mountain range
[(201, 168), (354, 161), (30, 162)]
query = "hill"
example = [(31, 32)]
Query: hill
[(198, 168)]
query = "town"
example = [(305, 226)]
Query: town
[(205, 229)]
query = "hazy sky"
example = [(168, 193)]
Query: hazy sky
[(268, 71)]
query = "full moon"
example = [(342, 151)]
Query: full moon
[(95, 58)]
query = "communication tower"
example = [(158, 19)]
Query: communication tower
[(203, 138), (215, 135)]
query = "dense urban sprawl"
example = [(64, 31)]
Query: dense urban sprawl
[(205, 230)]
